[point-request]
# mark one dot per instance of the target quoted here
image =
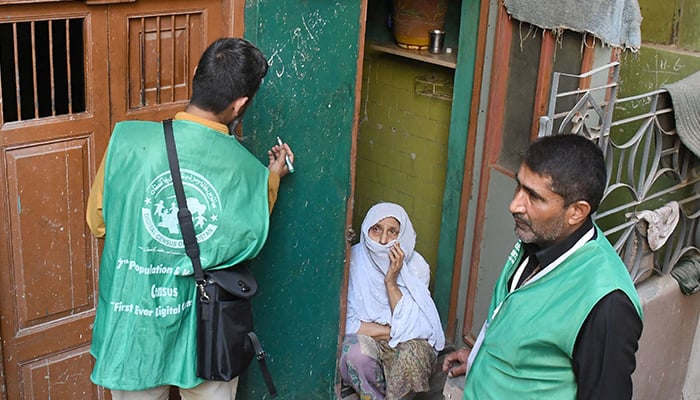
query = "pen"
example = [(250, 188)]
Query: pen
[(290, 166)]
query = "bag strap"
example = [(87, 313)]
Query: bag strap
[(260, 356), (184, 215), (192, 247)]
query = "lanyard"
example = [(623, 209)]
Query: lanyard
[(480, 339), (518, 273)]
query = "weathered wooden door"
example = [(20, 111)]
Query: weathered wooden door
[(68, 71)]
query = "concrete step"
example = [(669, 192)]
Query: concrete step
[(454, 388)]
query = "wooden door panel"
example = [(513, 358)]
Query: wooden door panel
[(160, 57), (61, 376), (69, 70), (47, 295), (51, 273), (161, 43), (54, 126)]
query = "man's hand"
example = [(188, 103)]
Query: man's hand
[(276, 160), (455, 363)]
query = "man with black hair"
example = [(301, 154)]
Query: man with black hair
[(144, 337), (564, 319)]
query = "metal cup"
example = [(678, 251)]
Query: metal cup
[(437, 41)]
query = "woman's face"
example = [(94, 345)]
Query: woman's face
[(385, 230)]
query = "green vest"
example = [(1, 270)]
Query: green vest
[(144, 331), (528, 346)]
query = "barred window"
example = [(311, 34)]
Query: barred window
[(42, 69)]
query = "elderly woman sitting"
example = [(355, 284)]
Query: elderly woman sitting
[(393, 330)]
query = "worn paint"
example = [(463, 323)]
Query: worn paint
[(307, 99), (459, 125), (671, 23), (651, 68)]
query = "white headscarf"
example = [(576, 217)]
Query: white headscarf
[(415, 316)]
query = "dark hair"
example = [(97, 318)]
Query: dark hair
[(230, 68), (574, 164)]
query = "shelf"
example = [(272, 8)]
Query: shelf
[(444, 59)]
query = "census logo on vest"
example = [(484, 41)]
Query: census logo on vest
[(159, 211)]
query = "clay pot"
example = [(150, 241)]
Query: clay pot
[(412, 20)]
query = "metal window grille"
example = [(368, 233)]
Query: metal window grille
[(42, 69), (160, 58), (648, 165)]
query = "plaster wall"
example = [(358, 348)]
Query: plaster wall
[(691, 390), (673, 22), (670, 327)]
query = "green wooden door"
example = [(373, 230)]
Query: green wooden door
[(309, 99)]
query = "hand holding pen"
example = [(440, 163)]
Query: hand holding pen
[(287, 159), (281, 158)]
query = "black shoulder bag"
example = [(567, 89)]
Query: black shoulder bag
[(226, 343)]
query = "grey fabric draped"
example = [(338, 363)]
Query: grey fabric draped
[(616, 22), (685, 96)]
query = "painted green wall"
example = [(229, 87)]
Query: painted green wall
[(308, 99), (674, 22), (670, 47), (652, 67)]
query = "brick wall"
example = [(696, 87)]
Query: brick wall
[(402, 143)]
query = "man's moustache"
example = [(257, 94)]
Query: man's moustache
[(520, 220)]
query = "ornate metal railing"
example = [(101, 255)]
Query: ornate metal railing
[(653, 179)]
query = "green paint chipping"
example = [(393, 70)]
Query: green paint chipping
[(307, 98), (650, 68), (657, 20), (672, 22), (689, 26)]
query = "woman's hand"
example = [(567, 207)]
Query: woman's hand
[(395, 263), (375, 330)]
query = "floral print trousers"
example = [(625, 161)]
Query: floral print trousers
[(376, 371)]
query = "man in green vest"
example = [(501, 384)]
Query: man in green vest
[(564, 319), (144, 337)]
